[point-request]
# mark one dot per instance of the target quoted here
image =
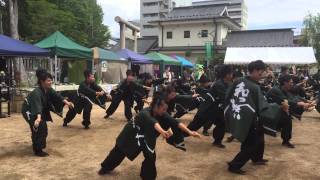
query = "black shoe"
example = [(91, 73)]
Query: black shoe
[(219, 145), (41, 154), (230, 139), (264, 160), (205, 133), (288, 144), (65, 124), (103, 172), (106, 116), (261, 162), (86, 127), (237, 171), (298, 116)]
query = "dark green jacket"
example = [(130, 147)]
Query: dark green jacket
[(245, 103), (89, 90), (127, 89), (185, 101), (39, 102), (277, 95)]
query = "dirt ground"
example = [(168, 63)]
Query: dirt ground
[(76, 153)]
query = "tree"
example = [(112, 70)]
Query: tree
[(2, 4), (79, 20), (311, 33), (13, 14), (89, 17), (44, 18)]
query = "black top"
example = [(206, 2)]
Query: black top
[(140, 134)]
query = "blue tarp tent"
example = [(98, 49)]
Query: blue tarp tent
[(105, 55), (184, 61), (13, 47), (134, 57)]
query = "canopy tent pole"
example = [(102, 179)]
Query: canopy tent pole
[(51, 65), (92, 68), (55, 69), (129, 64)]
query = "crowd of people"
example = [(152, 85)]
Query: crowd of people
[(245, 102)]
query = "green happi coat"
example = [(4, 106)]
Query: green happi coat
[(140, 134), (245, 104), (39, 102), (277, 95), (87, 93)]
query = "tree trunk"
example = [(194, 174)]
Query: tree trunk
[(1, 26), (13, 14)]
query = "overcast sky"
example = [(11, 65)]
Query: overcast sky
[(262, 13)]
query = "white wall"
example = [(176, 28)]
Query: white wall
[(194, 28), (178, 34), (180, 3)]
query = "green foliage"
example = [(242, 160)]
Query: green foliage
[(311, 33), (188, 53), (201, 60), (81, 20), (218, 59)]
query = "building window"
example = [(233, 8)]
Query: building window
[(186, 34), (235, 13), (237, 19), (150, 15), (236, 5), (150, 4), (204, 33), (148, 26), (169, 35)]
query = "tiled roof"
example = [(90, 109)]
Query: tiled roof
[(195, 12), (260, 38)]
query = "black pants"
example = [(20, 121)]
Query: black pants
[(115, 157), (139, 102), (252, 148), (198, 121), (180, 112), (127, 107), (84, 106), (207, 125), (39, 135), (219, 130), (285, 125), (205, 118)]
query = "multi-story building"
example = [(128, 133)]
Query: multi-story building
[(181, 3), (237, 9), (151, 10), (190, 28)]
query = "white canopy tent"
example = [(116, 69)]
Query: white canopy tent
[(270, 55)]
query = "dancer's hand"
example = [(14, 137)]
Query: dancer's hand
[(285, 106), (146, 101), (165, 134), (37, 123), (101, 93), (109, 97), (170, 132), (195, 134), (147, 88), (70, 104), (195, 95)]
